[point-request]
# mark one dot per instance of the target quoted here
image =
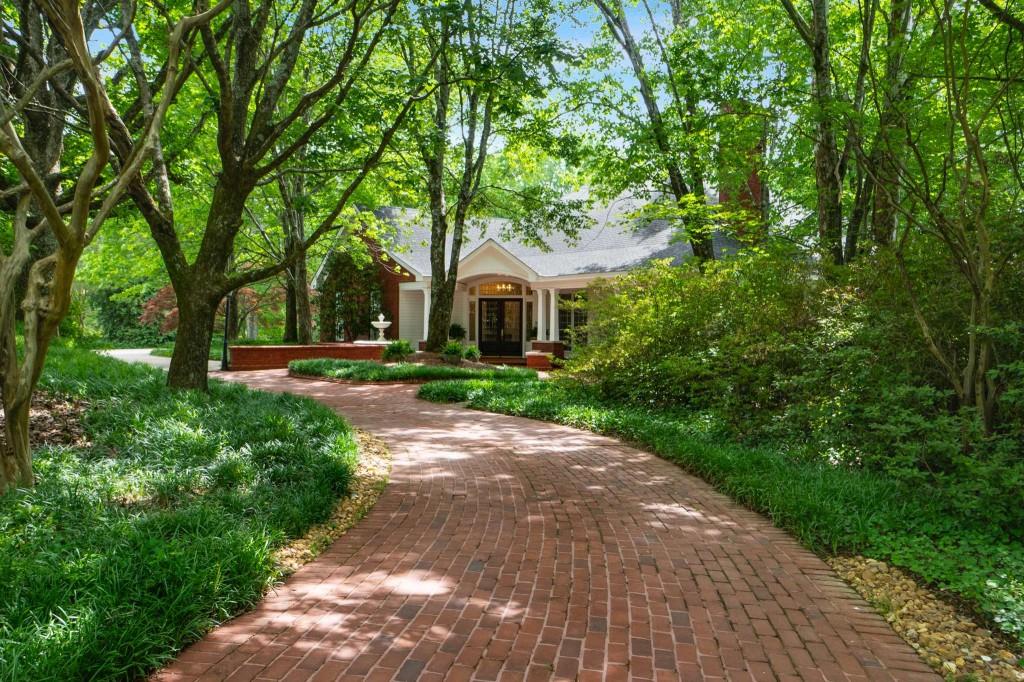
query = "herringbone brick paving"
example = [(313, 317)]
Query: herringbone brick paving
[(510, 549)]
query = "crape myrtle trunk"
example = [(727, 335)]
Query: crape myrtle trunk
[(16, 453)]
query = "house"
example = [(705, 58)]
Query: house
[(508, 294)]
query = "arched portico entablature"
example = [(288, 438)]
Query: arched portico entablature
[(490, 260)]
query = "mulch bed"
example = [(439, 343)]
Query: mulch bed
[(53, 420)]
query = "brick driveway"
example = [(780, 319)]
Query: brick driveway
[(510, 549)]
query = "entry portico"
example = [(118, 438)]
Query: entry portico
[(505, 305)]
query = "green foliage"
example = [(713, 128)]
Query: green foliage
[(349, 296), (398, 351), (118, 313), (471, 353), (138, 543), (828, 508), (1007, 599), (831, 368), (73, 325), (457, 332), (452, 351), (367, 370)]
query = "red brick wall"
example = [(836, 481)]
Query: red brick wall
[(390, 276), (749, 195), (556, 348), (245, 358), (539, 361)]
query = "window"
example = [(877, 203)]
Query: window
[(572, 317), (501, 289), (472, 320), (564, 317)]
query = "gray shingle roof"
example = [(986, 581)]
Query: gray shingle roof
[(612, 243)]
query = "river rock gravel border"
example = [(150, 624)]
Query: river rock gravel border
[(949, 641)]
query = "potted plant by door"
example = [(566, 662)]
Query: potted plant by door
[(451, 353)]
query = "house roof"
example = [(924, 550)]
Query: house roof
[(613, 242)]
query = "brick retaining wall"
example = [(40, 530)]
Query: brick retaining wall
[(556, 348), (244, 358)]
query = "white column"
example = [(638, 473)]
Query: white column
[(542, 332), (554, 313), (426, 313)]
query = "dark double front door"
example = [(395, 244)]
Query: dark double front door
[(501, 326)]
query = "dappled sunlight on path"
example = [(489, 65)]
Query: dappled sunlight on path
[(512, 549)]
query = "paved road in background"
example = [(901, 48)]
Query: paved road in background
[(142, 356)]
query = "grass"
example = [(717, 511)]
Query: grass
[(165, 525), (829, 509), (367, 370)]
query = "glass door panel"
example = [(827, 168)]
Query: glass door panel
[(501, 327)]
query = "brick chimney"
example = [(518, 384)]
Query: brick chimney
[(750, 192)]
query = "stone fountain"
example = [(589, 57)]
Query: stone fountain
[(380, 325)]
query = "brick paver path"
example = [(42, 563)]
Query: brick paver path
[(510, 549)]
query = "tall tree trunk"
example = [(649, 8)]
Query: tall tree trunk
[(861, 201), (201, 287), (191, 356), (232, 323), (827, 172), (442, 301), (299, 314), (303, 307), (298, 321), (291, 332), (884, 212), (886, 196), (434, 153)]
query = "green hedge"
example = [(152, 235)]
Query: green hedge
[(136, 545), (367, 370), (831, 509)]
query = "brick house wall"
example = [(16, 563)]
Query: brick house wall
[(390, 275)]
